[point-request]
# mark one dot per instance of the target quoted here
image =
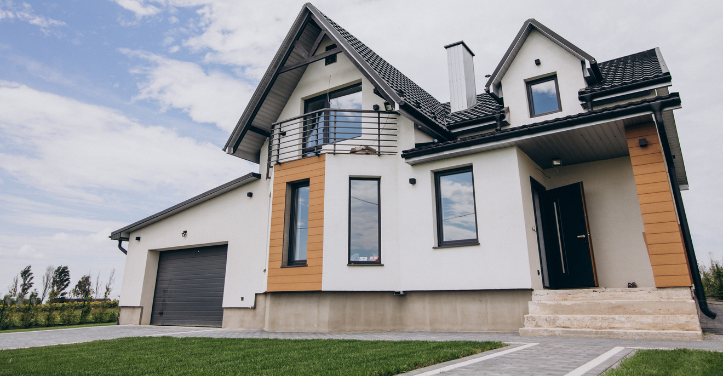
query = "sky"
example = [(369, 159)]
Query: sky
[(112, 110)]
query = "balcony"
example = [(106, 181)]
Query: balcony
[(333, 131)]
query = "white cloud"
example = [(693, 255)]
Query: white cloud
[(24, 12), (138, 7), (212, 97), (85, 152)]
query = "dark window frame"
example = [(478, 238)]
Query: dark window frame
[(530, 101), (313, 121), (379, 223), (330, 59), (441, 243), (293, 199)]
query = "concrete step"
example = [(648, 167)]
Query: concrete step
[(653, 294), (672, 335), (614, 322), (614, 307)]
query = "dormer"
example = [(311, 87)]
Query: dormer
[(540, 75)]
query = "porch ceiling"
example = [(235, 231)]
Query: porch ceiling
[(580, 145)]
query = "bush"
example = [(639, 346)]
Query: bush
[(6, 314), (712, 279)]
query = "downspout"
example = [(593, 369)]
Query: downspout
[(120, 246), (682, 218)]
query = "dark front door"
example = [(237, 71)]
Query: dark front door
[(563, 235)]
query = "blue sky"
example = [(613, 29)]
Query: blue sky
[(113, 110)]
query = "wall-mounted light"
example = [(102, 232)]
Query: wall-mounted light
[(643, 142), (138, 238), (537, 62), (249, 194), (412, 181), (557, 162), (183, 234), (375, 107), (400, 293), (388, 106)]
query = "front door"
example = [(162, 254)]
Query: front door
[(563, 235)]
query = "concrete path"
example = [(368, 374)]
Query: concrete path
[(524, 356)]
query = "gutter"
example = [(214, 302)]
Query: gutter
[(120, 246), (584, 96), (682, 218), (672, 100)]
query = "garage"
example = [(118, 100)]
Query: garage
[(189, 287)]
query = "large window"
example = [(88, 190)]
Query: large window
[(456, 213), (298, 223), (364, 221), (332, 126), (543, 96)]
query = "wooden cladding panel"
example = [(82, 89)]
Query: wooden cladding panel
[(662, 232), (302, 278)]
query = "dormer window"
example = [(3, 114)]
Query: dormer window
[(543, 96)]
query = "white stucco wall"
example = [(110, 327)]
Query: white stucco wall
[(616, 223), (232, 218), (554, 59)]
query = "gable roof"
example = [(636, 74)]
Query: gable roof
[(255, 124), (520, 39), (639, 69)]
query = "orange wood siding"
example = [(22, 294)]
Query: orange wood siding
[(303, 278), (662, 232)]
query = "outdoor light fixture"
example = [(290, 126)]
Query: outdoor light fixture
[(557, 162), (388, 106), (537, 62), (184, 233), (375, 107), (249, 194), (643, 142), (412, 181), (138, 238)]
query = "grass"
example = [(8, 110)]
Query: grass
[(680, 362), (225, 356), (55, 327)]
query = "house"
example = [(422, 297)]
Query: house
[(549, 203)]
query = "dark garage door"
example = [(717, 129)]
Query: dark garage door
[(189, 287)]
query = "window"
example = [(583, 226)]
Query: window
[(364, 221), (298, 223), (330, 59), (543, 96), (333, 126), (456, 213)]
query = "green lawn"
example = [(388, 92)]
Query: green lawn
[(56, 327), (214, 356), (681, 362)]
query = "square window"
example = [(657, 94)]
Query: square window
[(456, 209), (364, 221), (330, 59), (543, 96)]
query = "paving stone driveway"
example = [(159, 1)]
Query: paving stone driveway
[(552, 356)]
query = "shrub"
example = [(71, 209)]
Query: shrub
[(712, 279), (6, 313)]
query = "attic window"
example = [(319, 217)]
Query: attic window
[(330, 59), (543, 96)]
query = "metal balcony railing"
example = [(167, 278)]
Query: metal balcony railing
[(333, 131)]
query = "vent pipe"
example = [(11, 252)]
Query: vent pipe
[(462, 90)]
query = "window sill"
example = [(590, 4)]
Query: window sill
[(294, 266), (352, 264), (457, 245)]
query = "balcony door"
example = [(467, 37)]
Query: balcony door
[(563, 236), (324, 127)]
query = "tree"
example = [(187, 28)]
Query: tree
[(61, 281), (27, 283), (84, 288), (13, 289), (109, 285), (47, 282)]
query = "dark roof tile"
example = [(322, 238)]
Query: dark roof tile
[(627, 70)]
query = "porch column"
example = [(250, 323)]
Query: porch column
[(662, 232)]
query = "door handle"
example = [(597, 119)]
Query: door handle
[(581, 236)]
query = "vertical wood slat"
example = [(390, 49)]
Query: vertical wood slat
[(304, 278), (662, 232)]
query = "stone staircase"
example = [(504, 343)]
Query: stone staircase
[(640, 313)]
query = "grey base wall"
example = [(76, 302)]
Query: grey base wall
[(130, 315), (462, 311)]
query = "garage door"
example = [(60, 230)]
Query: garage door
[(189, 287)]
